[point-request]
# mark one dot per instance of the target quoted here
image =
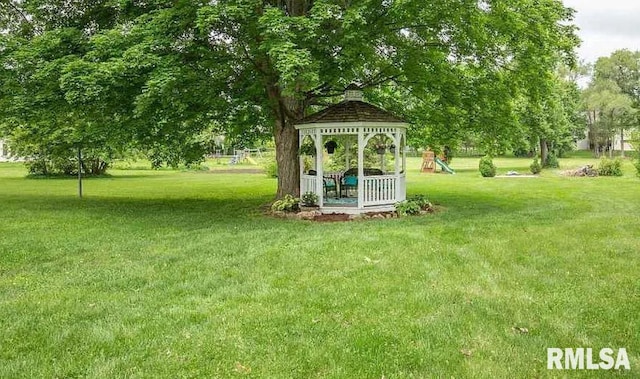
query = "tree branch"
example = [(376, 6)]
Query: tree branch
[(382, 80), (19, 11), (254, 62)]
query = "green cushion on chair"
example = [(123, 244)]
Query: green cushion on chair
[(351, 180)]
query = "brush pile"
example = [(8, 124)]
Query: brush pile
[(587, 170)]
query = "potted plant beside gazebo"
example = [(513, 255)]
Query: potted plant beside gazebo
[(309, 201)]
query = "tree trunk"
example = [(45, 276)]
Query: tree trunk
[(286, 110), (622, 143), (611, 147), (593, 133), (612, 135), (286, 137), (544, 152)]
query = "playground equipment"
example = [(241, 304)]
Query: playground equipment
[(244, 154), (444, 166), (249, 152), (429, 162)]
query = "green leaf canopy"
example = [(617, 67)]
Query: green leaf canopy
[(157, 73)]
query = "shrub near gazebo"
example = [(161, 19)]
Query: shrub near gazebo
[(377, 191)]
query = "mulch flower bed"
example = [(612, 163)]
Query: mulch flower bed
[(333, 217)]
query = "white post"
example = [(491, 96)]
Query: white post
[(347, 154), (403, 137), (396, 154), (397, 138), (360, 169), (319, 169), (300, 161), (403, 141)]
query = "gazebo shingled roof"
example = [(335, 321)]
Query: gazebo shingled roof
[(351, 111)]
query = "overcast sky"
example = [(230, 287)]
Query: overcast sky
[(606, 26)]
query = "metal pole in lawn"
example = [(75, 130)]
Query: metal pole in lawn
[(79, 172)]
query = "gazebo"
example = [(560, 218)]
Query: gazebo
[(378, 138)]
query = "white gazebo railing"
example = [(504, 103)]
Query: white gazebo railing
[(379, 190), (335, 175), (308, 183), (402, 188)]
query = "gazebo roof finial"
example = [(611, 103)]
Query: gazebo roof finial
[(353, 92)]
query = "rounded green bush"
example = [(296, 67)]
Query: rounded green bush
[(287, 204), (610, 167), (309, 199), (552, 161), (535, 167), (271, 168), (486, 166)]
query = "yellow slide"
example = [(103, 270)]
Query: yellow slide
[(252, 161)]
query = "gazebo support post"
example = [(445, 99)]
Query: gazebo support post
[(301, 162), (360, 169), (403, 141), (397, 137), (396, 153), (347, 154), (319, 169)]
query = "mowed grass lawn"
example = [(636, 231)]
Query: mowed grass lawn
[(180, 274)]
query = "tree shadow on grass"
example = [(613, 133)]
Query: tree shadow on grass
[(44, 179), (215, 210), (511, 204), (186, 213)]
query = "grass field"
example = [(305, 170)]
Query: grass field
[(179, 274)]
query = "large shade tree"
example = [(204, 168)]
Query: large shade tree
[(552, 122), (623, 68), (608, 110), (159, 72), (615, 89)]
